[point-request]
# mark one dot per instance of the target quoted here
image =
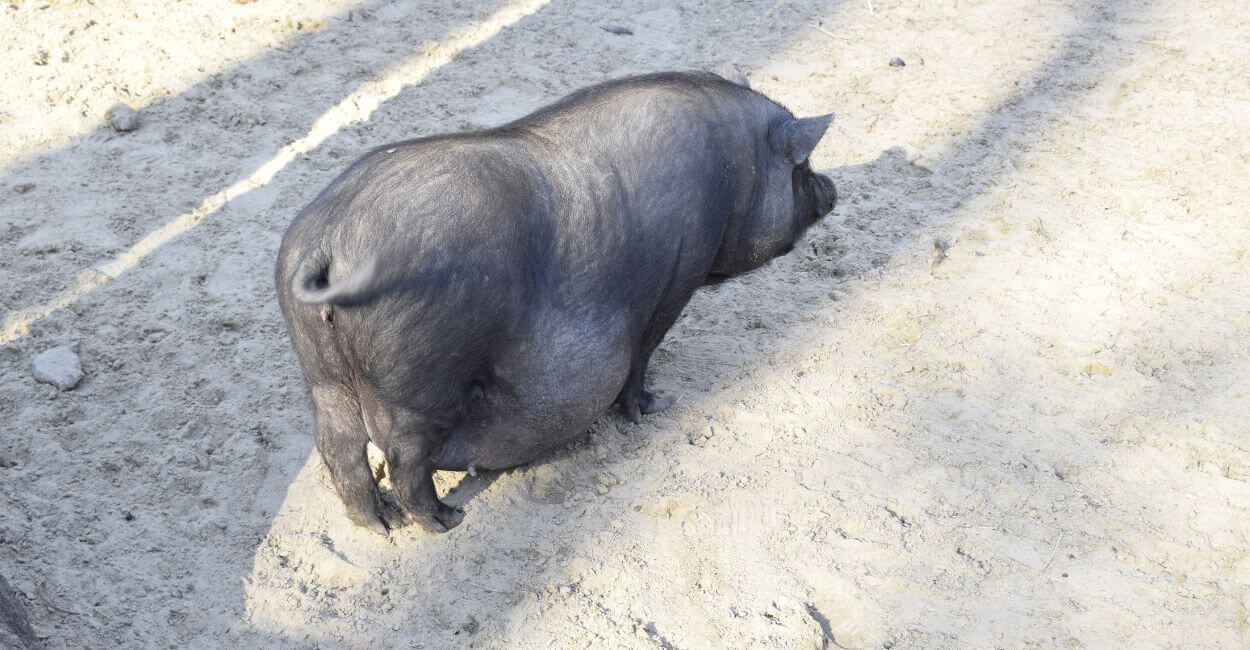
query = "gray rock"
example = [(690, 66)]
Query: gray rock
[(59, 366), (122, 117), (897, 62)]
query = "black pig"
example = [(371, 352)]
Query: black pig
[(472, 301)]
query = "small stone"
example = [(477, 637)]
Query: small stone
[(897, 62), (122, 117), (59, 366), (618, 30), (22, 188), (601, 489), (607, 479)]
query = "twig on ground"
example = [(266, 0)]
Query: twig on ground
[(1159, 44), (42, 594), (1052, 552), (828, 33), (485, 588)]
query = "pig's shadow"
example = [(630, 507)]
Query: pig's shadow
[(469, 487)]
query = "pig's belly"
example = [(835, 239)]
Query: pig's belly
[(546, 392)]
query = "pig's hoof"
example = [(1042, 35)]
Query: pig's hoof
[(443, 519), (632, 412), (376, 526), (391, 513), (656, 402), (645, 404), (370, 522)]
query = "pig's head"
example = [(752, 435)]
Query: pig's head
[(788, 197)]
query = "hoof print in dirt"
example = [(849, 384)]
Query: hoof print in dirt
[(490, 339)]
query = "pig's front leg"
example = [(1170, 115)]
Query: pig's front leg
[(635, 400), (412, 473)]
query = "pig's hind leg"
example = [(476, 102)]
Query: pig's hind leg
[(343, 443), (408, 450)]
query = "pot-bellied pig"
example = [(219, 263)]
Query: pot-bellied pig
[(472, 301)]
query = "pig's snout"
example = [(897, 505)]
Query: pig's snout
[(826, 195)]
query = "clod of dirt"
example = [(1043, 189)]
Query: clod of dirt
[(605, 482), (897, 62), (941, 246), (122, 117), (701, 434), (59, 366)]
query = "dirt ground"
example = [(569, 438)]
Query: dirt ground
[(997, 399)]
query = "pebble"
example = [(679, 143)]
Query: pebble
[(122, 117), (59, 366), (897, 62)]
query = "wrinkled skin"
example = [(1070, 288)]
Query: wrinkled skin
[(473, 301)]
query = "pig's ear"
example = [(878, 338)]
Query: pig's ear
[(731, 73), (795, 138)]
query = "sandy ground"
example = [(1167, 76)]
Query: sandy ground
[(998, 398)]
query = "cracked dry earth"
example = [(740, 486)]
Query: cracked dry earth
[(998, 398)]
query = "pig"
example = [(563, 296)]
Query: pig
[(476, 300)]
